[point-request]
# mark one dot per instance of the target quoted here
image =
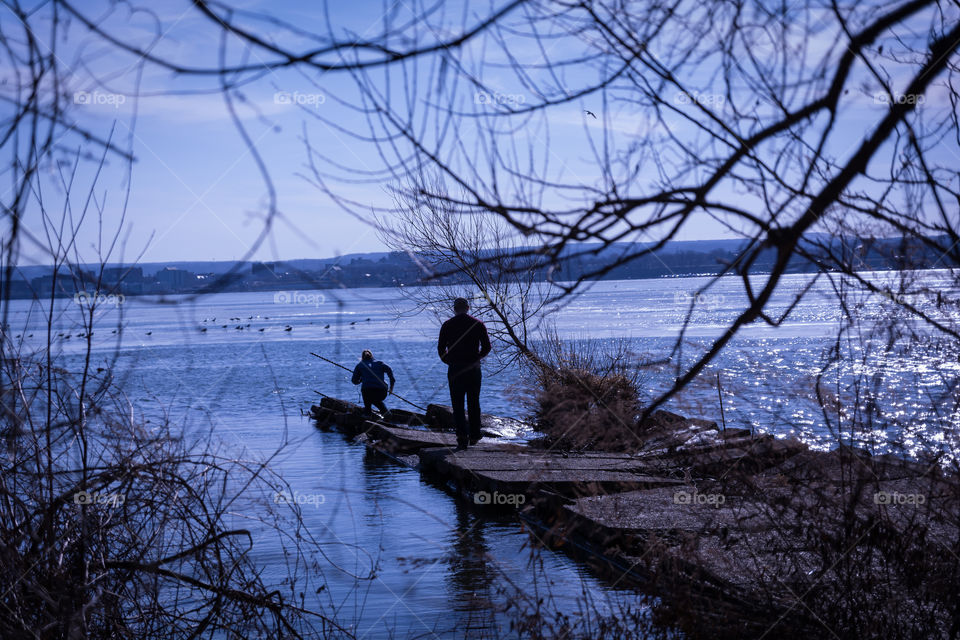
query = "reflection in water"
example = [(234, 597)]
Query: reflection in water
[(470, 577)]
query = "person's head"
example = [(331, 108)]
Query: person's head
[(460, 305), (366, 355)]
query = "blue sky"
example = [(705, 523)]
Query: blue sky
[(196, 192)]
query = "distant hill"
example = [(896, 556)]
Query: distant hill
[(381, 268), (209, 266)]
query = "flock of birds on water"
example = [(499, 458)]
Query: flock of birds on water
[(203, 329), (241, 327)]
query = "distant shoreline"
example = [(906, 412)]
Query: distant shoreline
[(320, 286), (589, 263)]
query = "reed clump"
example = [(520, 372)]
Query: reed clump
[(585, 395)]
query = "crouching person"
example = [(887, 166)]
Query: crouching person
[(374, 389)]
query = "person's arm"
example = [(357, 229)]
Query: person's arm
[(484, 342), (442, 343), (356, 374), (390, 375)]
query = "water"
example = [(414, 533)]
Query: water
[(400, 553)]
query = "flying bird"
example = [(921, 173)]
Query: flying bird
[(590, 113)]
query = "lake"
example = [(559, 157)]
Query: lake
[(402, 554)]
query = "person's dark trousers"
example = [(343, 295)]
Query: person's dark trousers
[(372, 395), (465, 383)]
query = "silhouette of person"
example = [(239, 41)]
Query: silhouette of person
[(462, 344), (369, 375)]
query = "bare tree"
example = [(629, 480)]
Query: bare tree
[(111, 527), (477, 257), (771, 122)]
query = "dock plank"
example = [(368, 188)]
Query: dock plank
[(513, 469), (400, 439)]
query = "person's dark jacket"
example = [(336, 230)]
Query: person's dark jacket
[(463, 341), (370, 373)]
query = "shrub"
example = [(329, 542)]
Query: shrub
[(584, 394)]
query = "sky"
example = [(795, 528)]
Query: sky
[(198, 192)]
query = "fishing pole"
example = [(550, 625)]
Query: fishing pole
[(351, 371), (331, 362)]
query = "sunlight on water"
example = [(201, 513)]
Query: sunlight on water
[(240, 362)]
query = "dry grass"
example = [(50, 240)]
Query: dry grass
[(584, 395)]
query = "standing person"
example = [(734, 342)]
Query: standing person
[(462, 344), (374, 389)]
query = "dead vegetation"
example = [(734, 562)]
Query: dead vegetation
[(584, 395)]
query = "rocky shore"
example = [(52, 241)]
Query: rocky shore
[(729, 527)]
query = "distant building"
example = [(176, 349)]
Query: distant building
[(174, 278), (124, 279), (126, 275), (266, 269), (43, 285)]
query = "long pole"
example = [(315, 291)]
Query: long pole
[(337, 364)]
